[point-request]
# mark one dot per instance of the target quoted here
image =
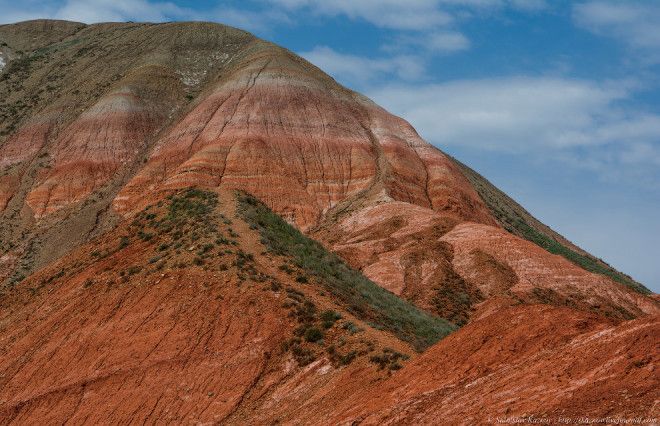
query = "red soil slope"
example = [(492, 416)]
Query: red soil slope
[(537, 361), (318, 154), (127, 331), (109, 334)]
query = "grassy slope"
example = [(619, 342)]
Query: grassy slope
[(361, 296), (515, 219)]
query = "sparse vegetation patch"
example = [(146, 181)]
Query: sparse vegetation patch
[(362, 297)]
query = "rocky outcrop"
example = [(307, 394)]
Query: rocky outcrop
[(19, 150), (540, 276)]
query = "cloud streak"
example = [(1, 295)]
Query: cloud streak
[(357, 70), (635, 23), (408, 15)]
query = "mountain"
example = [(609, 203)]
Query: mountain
[(200, 226)]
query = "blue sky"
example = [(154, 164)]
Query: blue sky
[(556, 102)]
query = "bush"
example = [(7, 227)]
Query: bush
[(134, 270), (302, 356), (329, 318), (192, 203), (145, 236), (124, 242), (351, 327), (313, 334), (388, 359)]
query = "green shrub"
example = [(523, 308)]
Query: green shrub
[(134, 270), (388, 359), (192, 203), (305, 311), (243, 258), (329, 318), (124, 242), (303, 356), (341, 359), (145, 236), (351, 327), (313, 334)]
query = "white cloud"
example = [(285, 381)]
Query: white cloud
[(420, 25), (572, 120), (90, 11), (634, 22), (528, 5), (507, 113), (432, 42), (359, 70), (435, 19), (407, 15), (448, 41), (404, 15)]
